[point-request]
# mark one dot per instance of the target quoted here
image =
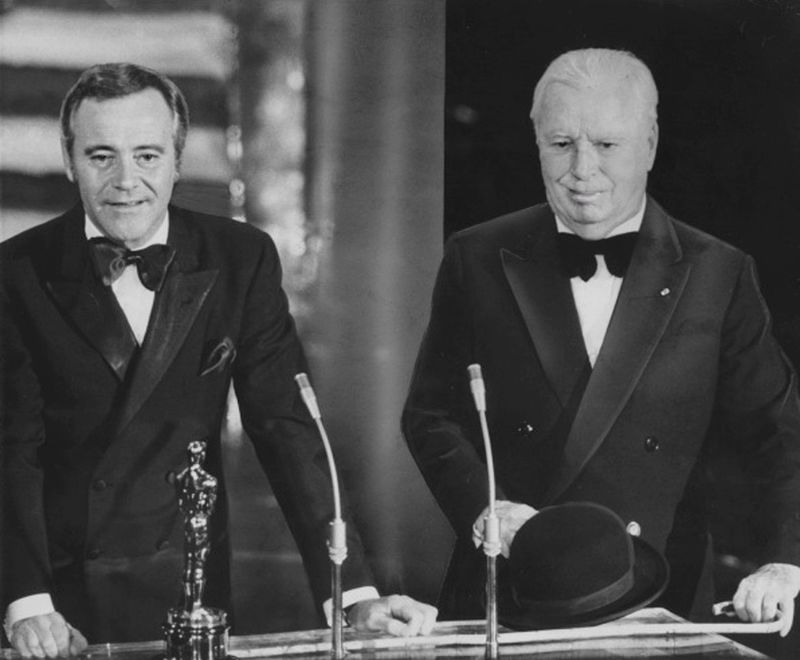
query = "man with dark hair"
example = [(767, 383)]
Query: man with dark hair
[(615, 343), (123, 323)]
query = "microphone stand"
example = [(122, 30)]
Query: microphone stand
[(491, 524), (337, 531)]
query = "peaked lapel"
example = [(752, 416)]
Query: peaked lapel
[(175, 309), (647, 299), (89, 304), (545, 300)]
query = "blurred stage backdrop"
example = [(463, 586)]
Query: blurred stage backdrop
[(319, 121), (329, 124)]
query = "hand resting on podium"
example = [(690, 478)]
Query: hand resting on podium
[(46, 635), (50, 635), (758, 599), (400, 616), (771, 588)]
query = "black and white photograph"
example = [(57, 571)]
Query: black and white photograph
[(399, 328)]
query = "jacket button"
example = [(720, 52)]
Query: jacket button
[(633, 528), (525, 429), (162, 545), (100, 485), (652, 443), (94, 553)]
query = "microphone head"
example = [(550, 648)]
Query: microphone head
[(475, 372), (302, 380)]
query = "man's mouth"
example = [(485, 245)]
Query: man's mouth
[(583, 196), (130, 204)]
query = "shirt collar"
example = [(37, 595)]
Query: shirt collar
[(160, 237), (633, 223)]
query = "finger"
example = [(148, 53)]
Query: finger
[(747, 602), (48, 642), (420, 617), (414, 619), (769, 608), (28, 642), (429, 618), (77, 642), (787, 610), (738, 602), (60, 633), (401, 619), (394, 627), (20, 643), (755, 605)]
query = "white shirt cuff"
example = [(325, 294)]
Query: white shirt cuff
[(349, 597), (25, 607)]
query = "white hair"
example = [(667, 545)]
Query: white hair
[(584, 68)]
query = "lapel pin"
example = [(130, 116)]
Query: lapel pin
[(664, 291)]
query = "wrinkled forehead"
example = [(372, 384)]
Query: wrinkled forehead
[(608, 103), (148, 102)]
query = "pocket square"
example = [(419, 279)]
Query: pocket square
[(220, 357)]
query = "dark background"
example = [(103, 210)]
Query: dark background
[(728, 74)]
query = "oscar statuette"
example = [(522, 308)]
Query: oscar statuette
[(194, 632)]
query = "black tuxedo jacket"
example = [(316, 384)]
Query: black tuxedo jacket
[(688, 356), (95, 429)]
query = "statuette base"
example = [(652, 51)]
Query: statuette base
[(198, 635)]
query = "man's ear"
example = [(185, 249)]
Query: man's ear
[(652, 143), (67, 158)]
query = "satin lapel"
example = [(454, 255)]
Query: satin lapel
[(648, 297), (545, 300), (175, 309), (89, 304)]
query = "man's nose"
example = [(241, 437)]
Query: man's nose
[(125, 174), (584, 161)]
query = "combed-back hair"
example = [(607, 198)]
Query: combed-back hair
[(117, 79), (586, 67)]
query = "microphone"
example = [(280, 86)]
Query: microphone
[(337, 532), (491, 525)]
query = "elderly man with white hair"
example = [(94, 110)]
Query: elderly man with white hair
[(617, 345)]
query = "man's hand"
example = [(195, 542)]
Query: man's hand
[(400, 616), (771, 588), (46, 635), (512, 516)]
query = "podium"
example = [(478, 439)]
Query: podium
[(650, 632)]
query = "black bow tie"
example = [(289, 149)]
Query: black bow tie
[(152, 263), (578, 255)]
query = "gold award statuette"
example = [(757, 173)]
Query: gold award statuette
[(194, 632)]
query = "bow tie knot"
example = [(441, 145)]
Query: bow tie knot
[(578, 255), (152, 263)]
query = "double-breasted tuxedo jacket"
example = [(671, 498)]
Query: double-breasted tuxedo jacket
[(95, 429), (688, 356)]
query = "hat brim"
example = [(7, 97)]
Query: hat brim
[(650, 577)]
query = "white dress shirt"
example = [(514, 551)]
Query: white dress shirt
[(135, 299), (595, 299)]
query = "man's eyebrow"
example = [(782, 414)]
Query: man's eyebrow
[(142, 147), (97, 147), (151, 147)]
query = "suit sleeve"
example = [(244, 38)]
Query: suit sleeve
[(25, 565), (758, 399), (285, 437), (439, 421)]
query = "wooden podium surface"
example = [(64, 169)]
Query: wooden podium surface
[(648, 633)]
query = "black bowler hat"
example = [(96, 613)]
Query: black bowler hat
[(576, 565)]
